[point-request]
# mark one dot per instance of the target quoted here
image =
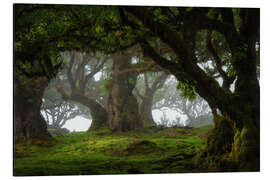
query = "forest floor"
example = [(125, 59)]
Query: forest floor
[(152, 150)]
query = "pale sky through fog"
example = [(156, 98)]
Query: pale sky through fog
[(81, 124), (78, 124)]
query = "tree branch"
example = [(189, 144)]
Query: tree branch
[(138, 93), (69, 72), (159, 81), (138, 70), (186, 69), (218, 62)]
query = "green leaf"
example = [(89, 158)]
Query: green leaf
[(187, 90)]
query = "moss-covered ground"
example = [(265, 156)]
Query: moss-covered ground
[(152, 150)]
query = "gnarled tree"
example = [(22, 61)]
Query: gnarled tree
[(80, 73), (147, 96), (178, 27)]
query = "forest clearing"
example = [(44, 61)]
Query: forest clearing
[(153, 150)]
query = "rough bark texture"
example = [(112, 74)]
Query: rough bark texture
[(123, 109), (28, 122), (242, 106)]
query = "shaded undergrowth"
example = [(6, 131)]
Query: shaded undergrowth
[(151, 150)]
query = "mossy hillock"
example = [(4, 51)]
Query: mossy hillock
[(103, 152)]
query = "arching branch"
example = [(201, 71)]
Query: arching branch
[(227, 81), (138, 70)]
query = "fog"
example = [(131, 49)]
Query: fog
[(82, 124), (172, 103)]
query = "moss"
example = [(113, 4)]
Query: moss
[(218, 146), (101, 132), (143, 147), (221, 137), (245, 149), (150, 151), (230, 148)]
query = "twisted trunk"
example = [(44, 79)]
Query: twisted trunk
[(98, 113), (241, 108), (146, 109), (123, 111), (28, 122)]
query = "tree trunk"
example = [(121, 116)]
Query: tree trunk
[(241, 107), (28, 122), (146, 109), (98, 113), (123, 111), (243, 118)]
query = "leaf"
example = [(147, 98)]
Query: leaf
[(99, 29), (187, 90)]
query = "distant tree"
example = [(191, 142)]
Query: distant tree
[(123, 107), (81, 86), (77, 83), (164, 120), (177, 122), (145, 91), (57, 116), (197, 111), (57, 111)]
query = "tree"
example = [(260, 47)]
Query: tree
[(84, 89), (36, 62), (178, 27), (80, 76), (147, 96), (122, 104), (57, 114), (196, 110), (42, 32), (123, 108)]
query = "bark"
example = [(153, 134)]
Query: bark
[(146, 110), (78, 82), (28, 122), (240, 107), (98, 113), (123, 111), (147, 97)]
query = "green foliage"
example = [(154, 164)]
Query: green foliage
[(43, 31), (187, 90), (105, 86), (36, 53), (237, 19), (131, 81)]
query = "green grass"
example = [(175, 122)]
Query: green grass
[(100, 152)]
